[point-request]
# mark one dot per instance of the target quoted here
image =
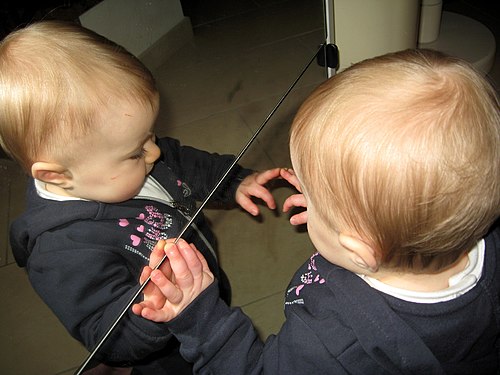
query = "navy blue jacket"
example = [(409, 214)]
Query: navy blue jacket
[(84, 258), (337, 324)]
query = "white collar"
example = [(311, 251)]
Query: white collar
[(151, 189), (42, 191), (459, 283)]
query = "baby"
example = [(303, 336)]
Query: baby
[(398, 160), (77, 112)]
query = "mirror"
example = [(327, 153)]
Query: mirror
[(216, 90)]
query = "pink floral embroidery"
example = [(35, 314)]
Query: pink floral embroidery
[(154, 228), (310, 277)]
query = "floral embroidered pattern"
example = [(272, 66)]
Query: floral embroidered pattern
[(152, 228), (307, 278)]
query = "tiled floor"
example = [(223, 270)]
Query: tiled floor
[(216, 91)]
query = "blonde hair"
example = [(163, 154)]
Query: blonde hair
[(55, 79), (403, 150)]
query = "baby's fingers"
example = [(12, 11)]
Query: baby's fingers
[(299, 219), (193, 258), (184, 263), (193, 274), (295, 200), (153, 314), (157, 254), (166, 286), (204, 264), (146, 271), (289, 175)]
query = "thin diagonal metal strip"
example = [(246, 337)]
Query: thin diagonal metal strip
[(200, 208)]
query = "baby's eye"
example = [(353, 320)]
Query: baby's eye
[(140, 155)]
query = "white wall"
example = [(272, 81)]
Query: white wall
[(367, 28), (134, 24)]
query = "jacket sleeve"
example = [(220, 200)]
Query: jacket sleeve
[(202, 170), (87, 288), (222, 340)]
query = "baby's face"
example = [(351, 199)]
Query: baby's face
[(118, 156)]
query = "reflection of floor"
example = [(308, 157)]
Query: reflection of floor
[(215, 92)]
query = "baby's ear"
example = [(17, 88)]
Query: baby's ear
[(360, 253), (51, 173)]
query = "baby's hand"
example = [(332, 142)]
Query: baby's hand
[(152, 295), (295, 200), (179, 281), (253, 186)]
